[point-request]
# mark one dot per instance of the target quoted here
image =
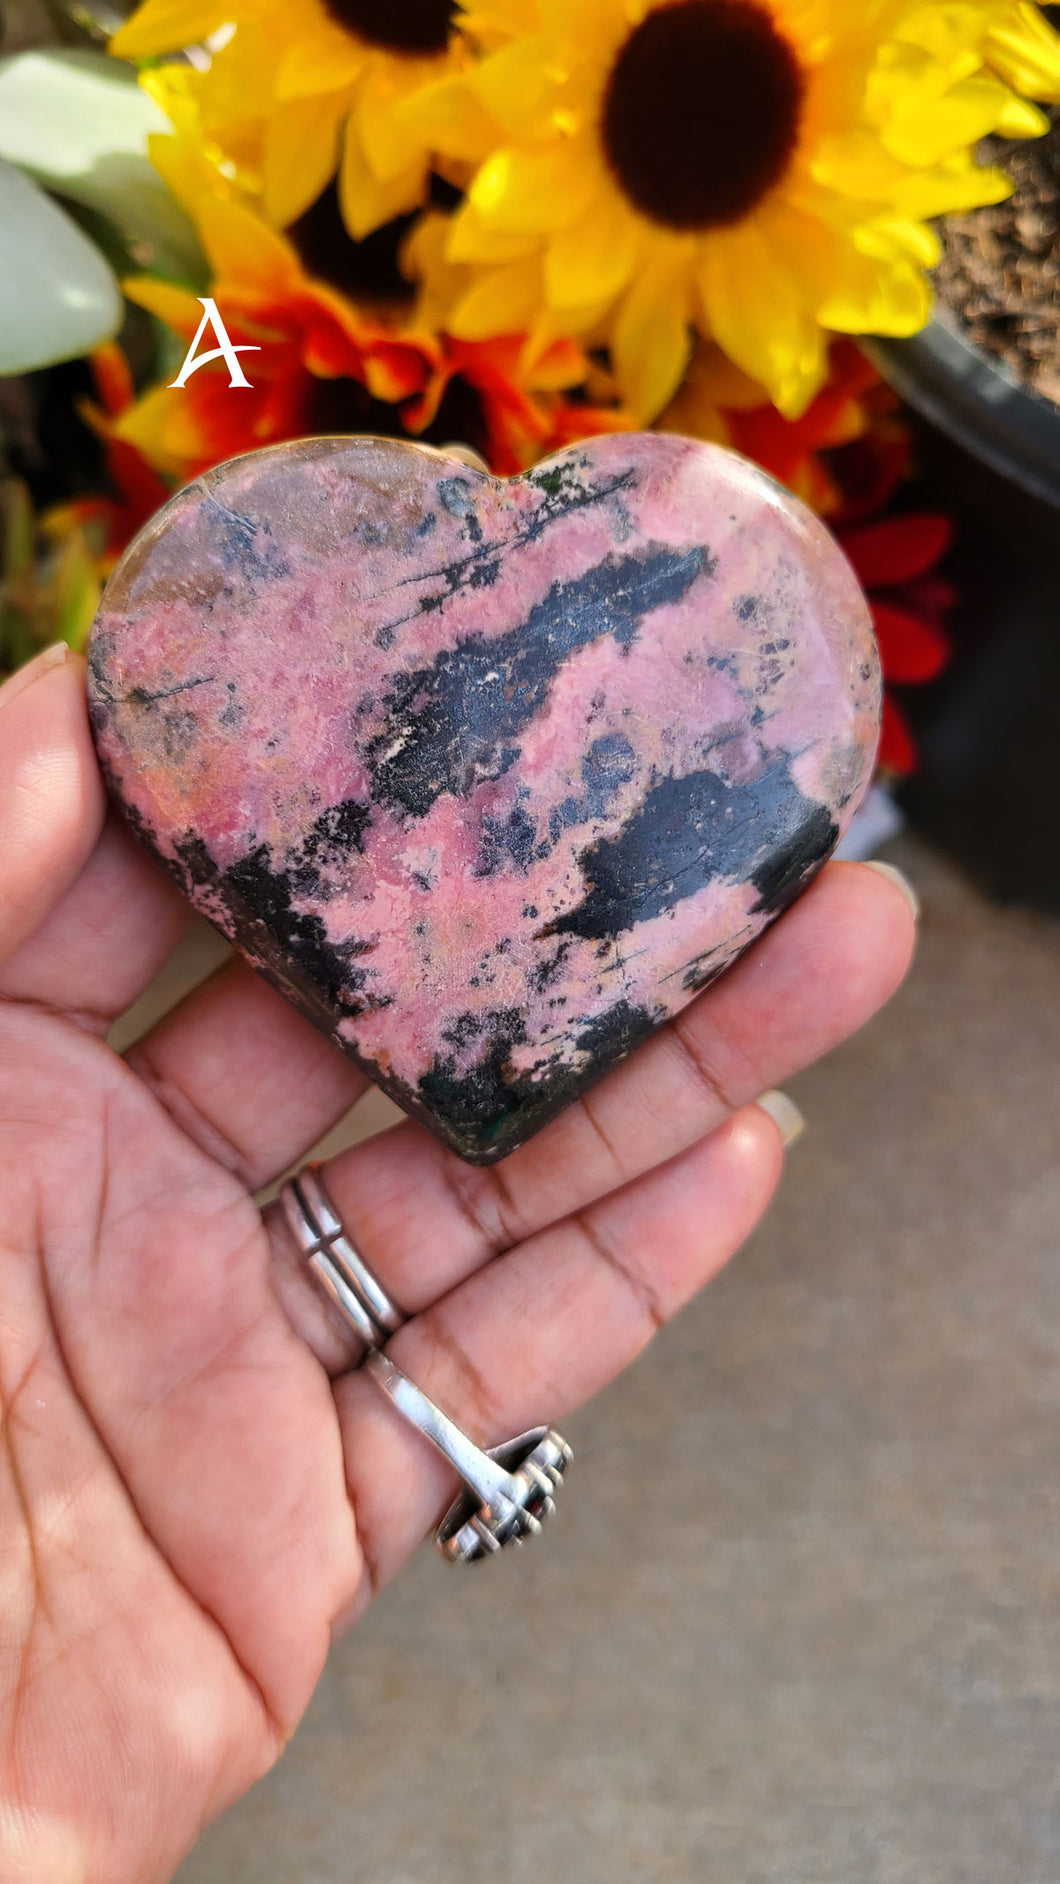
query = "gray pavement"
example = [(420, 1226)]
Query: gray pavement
[(797, 1620)]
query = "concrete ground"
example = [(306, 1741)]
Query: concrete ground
[(796, 1621)]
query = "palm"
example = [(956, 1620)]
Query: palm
[(197, 1488), (180, 1536)]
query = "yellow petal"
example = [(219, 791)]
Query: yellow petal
[(951, 190), (325, 60), (472, 240), (923, 63), (239, 84), (860, 280), (878, 296), (517, 89), (368, 201), (495, 22), (857, 165), (185, 172), (946, 31), (163, 426), (1025, 49), (593, 259), (756, 309), (422, 259), (552, 330), (557, 367), (694, 418), (167, 26), (968, 111), (446, 116), (594, 28), (651, 340), (388, 138), (301, 152), (529, 192), (720, 381), (504, 301), (903, 239), (1019, 118), (244, 251), (177, 307), (711, 383)]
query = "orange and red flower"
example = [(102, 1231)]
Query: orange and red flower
[(110, 519), (306, 335), (325, 363)]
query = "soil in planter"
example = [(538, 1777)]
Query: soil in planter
[(1000, 273)]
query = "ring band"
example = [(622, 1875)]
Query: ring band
[(339, 1268), (509, 1489)]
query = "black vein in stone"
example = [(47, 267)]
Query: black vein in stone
[(696, 829), (457, 721)]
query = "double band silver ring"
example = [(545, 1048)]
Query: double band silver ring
[(343, 1274), (509, 1490)]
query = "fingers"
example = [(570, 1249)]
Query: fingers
[(256, 1086), (84, 924), (537, 1332), (105, 939), (424, 1220), (244, 1075), (51, 794)]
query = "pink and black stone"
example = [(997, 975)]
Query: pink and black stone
[(488, 777)]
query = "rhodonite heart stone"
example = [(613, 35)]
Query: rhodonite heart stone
[(488, 777)]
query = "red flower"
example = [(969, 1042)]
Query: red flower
[(895, 560)]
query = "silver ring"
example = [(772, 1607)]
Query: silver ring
[(510, 1489), (340, 1270)]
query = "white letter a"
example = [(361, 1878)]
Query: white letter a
[(224, 349)]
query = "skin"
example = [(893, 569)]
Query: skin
[(196, 1493)]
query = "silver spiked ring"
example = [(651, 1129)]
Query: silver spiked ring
[(510, 1489)]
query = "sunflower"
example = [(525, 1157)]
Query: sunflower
[(292, 92), (759, 170)]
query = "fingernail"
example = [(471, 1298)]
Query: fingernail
[(900, 881), (784, 1113), (25, 677)]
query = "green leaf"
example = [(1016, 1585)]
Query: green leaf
[(76, 592), (78, 122), (58, 298)]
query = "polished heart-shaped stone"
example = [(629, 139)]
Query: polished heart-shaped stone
[(489, 777)]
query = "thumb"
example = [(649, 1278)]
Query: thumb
[(51, 794)]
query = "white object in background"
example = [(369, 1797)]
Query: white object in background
[(79, 123), (877, 818), (58, 297)]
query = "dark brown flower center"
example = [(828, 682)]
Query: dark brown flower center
[(409, 27), (701, 112)]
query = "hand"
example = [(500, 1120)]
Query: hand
[(195, 1493)]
